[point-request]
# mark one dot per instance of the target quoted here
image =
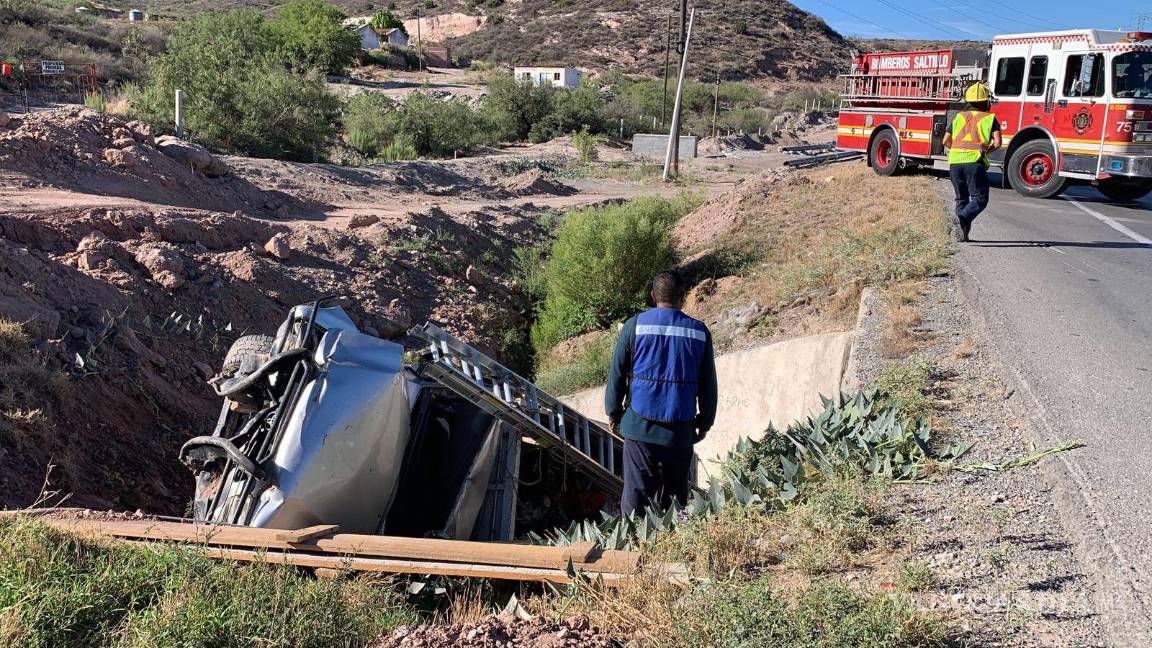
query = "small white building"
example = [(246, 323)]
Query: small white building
[(369, 39), (559, 77), (394, 36)]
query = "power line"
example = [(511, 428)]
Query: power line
[(863, 19), (963, 33), (1031, 18), (999, 28)]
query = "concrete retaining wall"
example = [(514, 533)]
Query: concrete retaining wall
[(649, 145), (777, 383)]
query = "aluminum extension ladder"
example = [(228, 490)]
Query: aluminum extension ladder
[(518, 402)]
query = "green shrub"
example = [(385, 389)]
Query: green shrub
[(366, 122), (601, 265), (398, 151), (588, 367), (513, 106), (310, 36), (239, 97), (59, 590), (95, 101), (585, 143), (573, 110), (436, 128), (385, 19)]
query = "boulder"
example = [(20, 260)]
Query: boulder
[(195, 156), (163, 263), (279, 247), (120, 159), (473, 276), (362, 220), (124, 143), (89, 261), (4, 119), (142, 132)]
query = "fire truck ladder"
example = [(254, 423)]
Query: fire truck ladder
[(518, 402), (912, 88)]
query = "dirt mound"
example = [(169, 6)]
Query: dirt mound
[(501, 630), (138, 306), (82, 150), (723, 214), (725, 144), (535, 182)]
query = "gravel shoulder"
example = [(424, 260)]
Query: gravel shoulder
[(1004, 567)]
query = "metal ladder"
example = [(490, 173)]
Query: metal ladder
[(518, 402)]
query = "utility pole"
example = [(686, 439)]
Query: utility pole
[(683, 44), (667, 55), (179, 113), (419, 44), (672, 155), (715, 102)]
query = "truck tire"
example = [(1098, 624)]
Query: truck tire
[(884, 153), (1125, 190), (1032, 170), (247, 353)]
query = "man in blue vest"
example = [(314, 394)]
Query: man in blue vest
[(661, 396)]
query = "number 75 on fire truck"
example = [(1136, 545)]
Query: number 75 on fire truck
[(1075, 107)]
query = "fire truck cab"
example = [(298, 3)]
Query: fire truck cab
[(1073, 106)]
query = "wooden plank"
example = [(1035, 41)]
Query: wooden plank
[(486, 553), (307, 533), (385, 565)]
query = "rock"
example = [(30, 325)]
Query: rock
[(4, 119), (124, 142), (279, 247), (255, 248), (163, 263), (195, 156), (121, 133), (142, 132), (362, 220), (120, 159), (204, 370), (89, 261), (473, 276)]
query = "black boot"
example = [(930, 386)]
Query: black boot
[(965, 229)]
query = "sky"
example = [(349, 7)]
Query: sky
[(973, 19)]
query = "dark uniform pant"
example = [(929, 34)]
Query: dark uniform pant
[(970, 180), (654, 473)]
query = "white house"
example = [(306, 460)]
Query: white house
[(560, 77), (369, 39), (394, 36)]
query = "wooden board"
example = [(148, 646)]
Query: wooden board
[(308, 533), (584, 556)]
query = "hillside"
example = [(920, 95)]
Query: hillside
[(745, 38)]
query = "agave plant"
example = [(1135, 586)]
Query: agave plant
[(852, 433)]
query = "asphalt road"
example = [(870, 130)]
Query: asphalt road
[(1064, 288)]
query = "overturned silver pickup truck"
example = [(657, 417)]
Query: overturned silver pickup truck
[(324, 424)]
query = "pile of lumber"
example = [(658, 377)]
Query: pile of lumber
[(324, 548)]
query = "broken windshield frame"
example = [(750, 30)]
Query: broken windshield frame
[(1132, 75)]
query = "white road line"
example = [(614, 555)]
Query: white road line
[(1109, 222)]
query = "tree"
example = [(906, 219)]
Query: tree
[(310, 36), (513, 106), (581, 108), (385, 19), (239, 96)]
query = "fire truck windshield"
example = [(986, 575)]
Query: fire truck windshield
[(1132, 75)]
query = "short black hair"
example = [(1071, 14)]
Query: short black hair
[(669, 287), (982, 106)]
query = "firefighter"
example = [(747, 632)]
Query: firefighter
[(661, 396), (975, 133)]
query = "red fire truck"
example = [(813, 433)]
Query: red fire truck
[(1074, 107)]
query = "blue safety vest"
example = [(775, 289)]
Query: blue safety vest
[(666, 355)]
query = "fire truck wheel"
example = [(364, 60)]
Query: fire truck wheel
[(885, 153), (1125, 190), (1032, 170)]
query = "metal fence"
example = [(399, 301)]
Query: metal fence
[(35, 84)]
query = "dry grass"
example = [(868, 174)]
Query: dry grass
[(827, 232), (29, 390), (902, 315)]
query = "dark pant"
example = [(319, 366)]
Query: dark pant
[(654, 473), (970, 180)]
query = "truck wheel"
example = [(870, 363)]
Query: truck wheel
[(247, 353), (884, 153), (1032, 170), (1125, 190)]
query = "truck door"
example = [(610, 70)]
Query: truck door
[(1081, 112), (1039, 107), (1008, 71)]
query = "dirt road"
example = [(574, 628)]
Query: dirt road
[(1062, 288)]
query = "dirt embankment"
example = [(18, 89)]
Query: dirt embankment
[(139, 305)]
